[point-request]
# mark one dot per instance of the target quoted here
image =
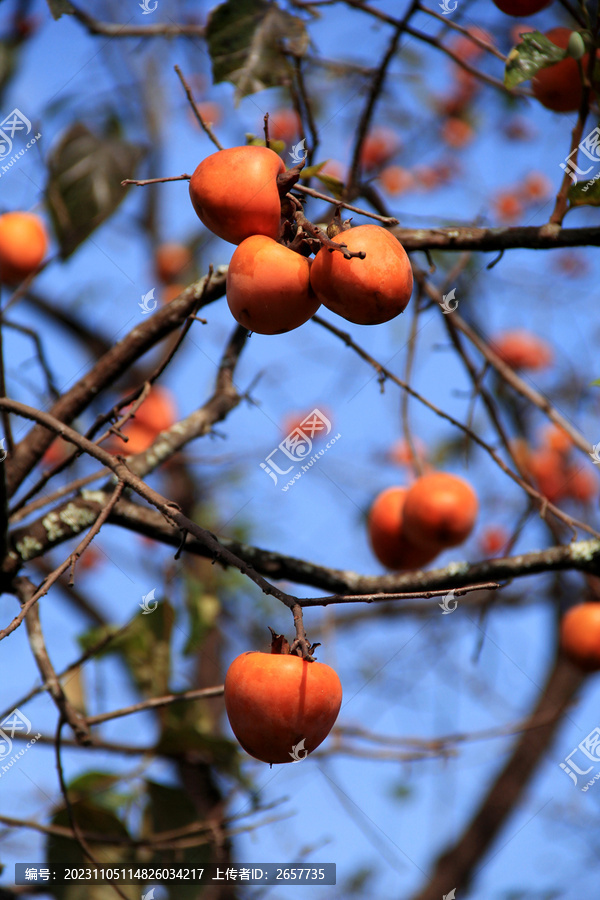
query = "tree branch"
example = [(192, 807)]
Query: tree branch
[(456, 866), (467, 237), (109, 367)]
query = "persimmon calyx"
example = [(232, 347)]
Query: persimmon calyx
[(336, 226), (300, 647), (279, 643), (326, 242), (286, 180)]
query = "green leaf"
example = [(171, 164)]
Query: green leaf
[(171, 808), (535, 52), (311, 171), (203, 608), (96, 784), (585, 193), (59, 8), (595, 383), (144, 647), (275, 145), (61, 851), (84, 185), (333, 184), (247, 41)]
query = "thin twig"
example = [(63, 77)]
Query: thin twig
[(203, 124), (119, 30), (407, 595), (25, 590), (144, 181), (382, 371), (49, 581), (169, 510), (155, 703), (310, 192), (417, 462), (74, 824), (373, 96), (470, 34)]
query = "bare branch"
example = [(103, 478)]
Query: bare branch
[(140, 339)]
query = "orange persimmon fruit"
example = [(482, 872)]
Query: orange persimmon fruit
[(268, 286), (170, 260), (558, 87), (366, 291), (276, 701), (580, 635), (440, 510), (522, 350), (234, 192), (23, 245), (385, 525)]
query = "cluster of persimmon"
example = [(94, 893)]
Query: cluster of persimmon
[(551, 467), (409, 526), (279, 705), (558, 87), (23, 245), (242, 195)]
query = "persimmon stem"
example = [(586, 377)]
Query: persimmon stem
[(301, 646), (315, 232)]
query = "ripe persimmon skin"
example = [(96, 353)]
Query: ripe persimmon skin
[(521, 7), (580, 635), (522, 349), (274, 701), (268, 287), (559, 87), (234, 193), (169, 261), (366, 291), (157, 413), (388, 542), (23, 245), (439, 510)]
